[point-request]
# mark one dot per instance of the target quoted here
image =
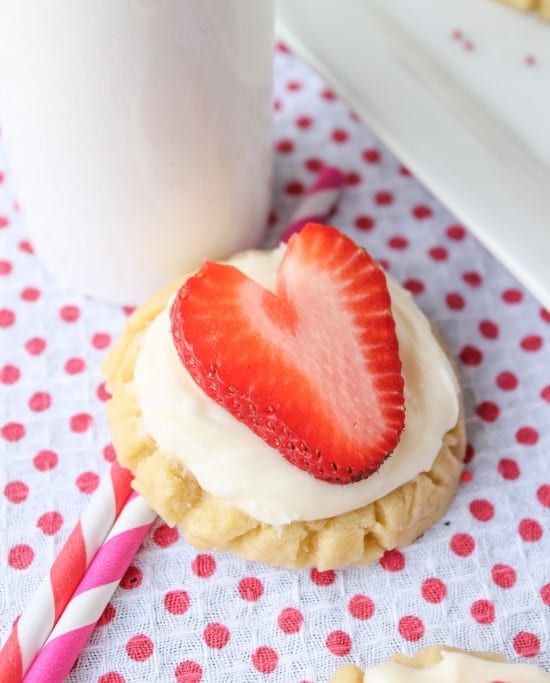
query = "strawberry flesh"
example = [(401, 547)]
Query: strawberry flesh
[(312, 368)]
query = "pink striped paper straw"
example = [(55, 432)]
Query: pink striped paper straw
[(319, 201), (47, 604), (54, 662)]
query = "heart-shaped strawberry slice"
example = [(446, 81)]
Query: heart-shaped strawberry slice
[(313, 368)]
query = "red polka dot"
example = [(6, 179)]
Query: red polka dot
[(512, 296), (294, 187), (353, 179), (290, 620), (265, 659), (508, 469), (392, 560), (69, 313), (470, 453), (411, 628), (398, 242), (109, 453), (462, 545), (313, 164), (545, 393), (102, 393), (108, 614), (176, 602), (488, 411), (13, 431), (482, 510), (45, 460), (361, 607), (304, 122), (489, 329), (111, 677), (456, 233), (422, 212), (545, 594), (438, 254), (503, 575), (483, 611), (527, 436), (526, 644), (250, 588), (325, 578), (80, 422), (530, 530), (544, 315), (50, 522), (339, 643), (40, 401), (282, 47), (404, 171), (26, 247), (128, 310), (284, 146), (455, 301), (87, 482), (507, 381), (339, 135), (543, 494), (165, 536), (532, 342), (75, 365), (9, 374), (216, 635), (16, 491), (203, 566), (472, 278), (293, 86), (188, 672), (139, 648), (35, 346), (30, 294), (7, 317), (132, 578), (383, 198), (101, 340), (414, 286), (364, 222), (371, 156), (466, 476), (433, 590), (20, 556), (3, 220), (471, 355)]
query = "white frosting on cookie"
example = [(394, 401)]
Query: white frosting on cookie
[(231, 462), (457, 667)]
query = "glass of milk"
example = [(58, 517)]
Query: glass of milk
[(138, 132)]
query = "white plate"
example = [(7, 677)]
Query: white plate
[(471, 119)]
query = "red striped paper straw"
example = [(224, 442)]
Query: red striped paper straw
[(318, 202), (47, 604), (55, 660)]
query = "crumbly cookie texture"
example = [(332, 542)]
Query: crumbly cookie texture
[(358, 537), (540, 6), (349, 673)]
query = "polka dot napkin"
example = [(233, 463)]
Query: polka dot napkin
[(480, 578)]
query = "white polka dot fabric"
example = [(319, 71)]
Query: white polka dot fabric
[(480, 578)]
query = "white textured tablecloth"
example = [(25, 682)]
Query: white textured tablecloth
[(480, 578)]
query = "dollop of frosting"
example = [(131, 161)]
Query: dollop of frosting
[(457, 667), (231, 462)]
